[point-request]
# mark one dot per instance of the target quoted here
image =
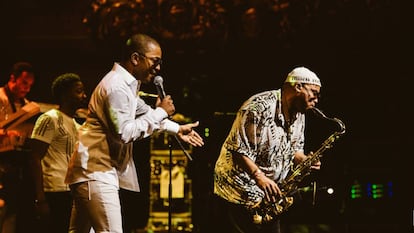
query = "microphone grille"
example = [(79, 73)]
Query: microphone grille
[(158, 80)]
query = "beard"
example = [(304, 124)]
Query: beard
[(300, 105)]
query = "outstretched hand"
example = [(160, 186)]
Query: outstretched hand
[(188, 135)]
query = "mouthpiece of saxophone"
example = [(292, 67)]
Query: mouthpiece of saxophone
[(318, 112)]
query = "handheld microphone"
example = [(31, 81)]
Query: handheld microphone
[(161, 93), (160, 88)]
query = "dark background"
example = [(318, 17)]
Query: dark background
[(361, 50)]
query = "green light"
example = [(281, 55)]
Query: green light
[(377, 191), (375, 196), (377, 186), (206, 132), (356, 191), (354, 196)]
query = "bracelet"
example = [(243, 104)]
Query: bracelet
[(257, 173)]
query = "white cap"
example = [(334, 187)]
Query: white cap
[(303, 75)]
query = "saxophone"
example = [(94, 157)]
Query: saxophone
[(265, 211)]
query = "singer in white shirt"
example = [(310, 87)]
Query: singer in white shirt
[(103, 161)]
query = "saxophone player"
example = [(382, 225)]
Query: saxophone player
[(267, 137)]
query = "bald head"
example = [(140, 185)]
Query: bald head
[(140, 43)]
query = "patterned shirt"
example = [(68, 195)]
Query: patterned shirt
[(60, 132), (259, 131)]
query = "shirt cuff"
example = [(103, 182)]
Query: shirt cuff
[(160, 114), (170, 126)]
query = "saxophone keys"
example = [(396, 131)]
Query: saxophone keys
[(278, 209), (289, 201), (268, 218), (257, 219)]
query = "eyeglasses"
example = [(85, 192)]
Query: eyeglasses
[(315, 93), (155, 60)]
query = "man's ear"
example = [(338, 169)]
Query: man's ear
[(134, 58), (298, 87)]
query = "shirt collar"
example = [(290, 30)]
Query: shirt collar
[(129, 79), (279, 118)]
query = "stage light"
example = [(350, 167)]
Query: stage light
[(206, 132), (356, 191), (373, 190)]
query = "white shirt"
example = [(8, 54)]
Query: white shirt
[(116, 117)]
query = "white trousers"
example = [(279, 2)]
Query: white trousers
[(96, 208)]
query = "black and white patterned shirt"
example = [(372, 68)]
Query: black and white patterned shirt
[(259, 132)]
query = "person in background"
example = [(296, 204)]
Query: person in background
[(52, 143), (13, 99), (117, 116), (266, 140), (13, 94)]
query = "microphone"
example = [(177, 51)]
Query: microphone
[(160, 88), (161, 93)]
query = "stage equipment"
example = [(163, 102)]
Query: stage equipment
[(170, 186)]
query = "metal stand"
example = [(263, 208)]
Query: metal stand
[(170, 177), (170, 186)]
